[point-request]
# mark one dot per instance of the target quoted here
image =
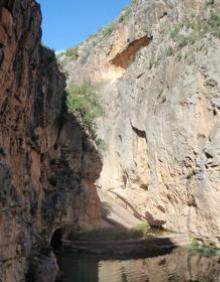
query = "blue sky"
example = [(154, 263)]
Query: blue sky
[(68, 22)]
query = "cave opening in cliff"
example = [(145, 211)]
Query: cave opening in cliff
[(124, 58)]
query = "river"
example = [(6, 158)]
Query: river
[(181, 265)]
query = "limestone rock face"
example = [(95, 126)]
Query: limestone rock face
[(157, 74), (46, 177)]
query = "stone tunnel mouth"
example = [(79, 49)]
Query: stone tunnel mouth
[(56, 239)]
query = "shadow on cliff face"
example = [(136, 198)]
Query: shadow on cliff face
[(65, 166), (70, 163), (74, 167)]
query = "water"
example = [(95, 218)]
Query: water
[(179, 265)]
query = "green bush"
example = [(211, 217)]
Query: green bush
[(108, 30), (126, 12), (195, 29), (72, 53), (101, 145), (174, 33), (169, 51), (143, 228), (183, 41), (204, 250), (214, 22), (83, 102)]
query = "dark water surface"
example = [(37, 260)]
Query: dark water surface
[(179, 265)]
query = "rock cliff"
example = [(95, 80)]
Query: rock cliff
[(47, 164), (156, 71)]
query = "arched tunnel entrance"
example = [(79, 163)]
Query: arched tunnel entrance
[(56, 239)]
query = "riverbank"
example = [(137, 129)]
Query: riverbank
[(179, 265)]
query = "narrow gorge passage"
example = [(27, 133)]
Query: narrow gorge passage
[(109, 149)]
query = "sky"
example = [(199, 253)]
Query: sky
[(68, 22)]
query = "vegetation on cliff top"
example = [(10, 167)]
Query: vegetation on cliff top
[(191, 30), (72, 53), (186, 33), (125, 13)]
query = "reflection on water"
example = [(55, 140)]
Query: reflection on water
[(180, 265)]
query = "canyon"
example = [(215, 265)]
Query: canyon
[(156, 73)]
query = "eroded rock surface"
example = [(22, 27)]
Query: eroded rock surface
[(162, 113), (47, 164)]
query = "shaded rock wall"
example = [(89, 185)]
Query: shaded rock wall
[(47, 163), (169, 93)]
